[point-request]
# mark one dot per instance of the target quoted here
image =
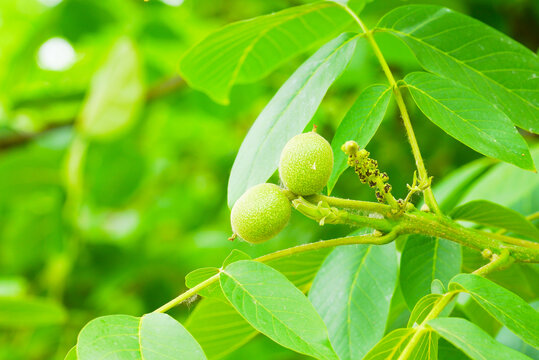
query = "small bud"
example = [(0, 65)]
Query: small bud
[(350, 147), (487, 253), (425, 208)]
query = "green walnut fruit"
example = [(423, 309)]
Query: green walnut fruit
[(306, 164), (260, 214)]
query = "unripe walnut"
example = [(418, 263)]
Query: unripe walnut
[(306, 164), (260, 213)]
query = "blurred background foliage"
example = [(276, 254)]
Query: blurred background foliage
[(113, 173)]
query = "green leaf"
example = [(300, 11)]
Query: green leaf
[(276, 308), (469, 308), (352, 292), (248, 50), (154, 336), (469, 118), (422, 309), (72, 354), (505, 306), (473, 341), (427, 347), (162, 338), (450, 189), (424, 306), (300, 268), (115, 94), (464, 49), (423, 260), (359, 124), (437, 287), (218, 328), (506, 337), (287, 114), (491, 214), (447, 351), (197, 276), (391, 346), (27, 312), (506, 185), (235, 255)]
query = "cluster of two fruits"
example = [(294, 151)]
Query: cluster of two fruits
[(264, 210)]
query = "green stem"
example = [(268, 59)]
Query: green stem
[(415, 222), (352, 204), (349, 240), (533, 216), (422, 328), (394, 225), (186, 295), (496, 263), (423, 175)]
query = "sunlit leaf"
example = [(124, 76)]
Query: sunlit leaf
[(422, 309), (276, 308), (287, 114), (505, 306), (152, 337), (391, 346), (469, 118), (506, 337), (491, 214), (248, 50), (359, 124), (423, 260), (352, 292), (464, 49), (473, 341), (424, 306)]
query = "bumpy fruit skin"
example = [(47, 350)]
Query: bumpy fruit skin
[(306, 164), (260, 213)]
